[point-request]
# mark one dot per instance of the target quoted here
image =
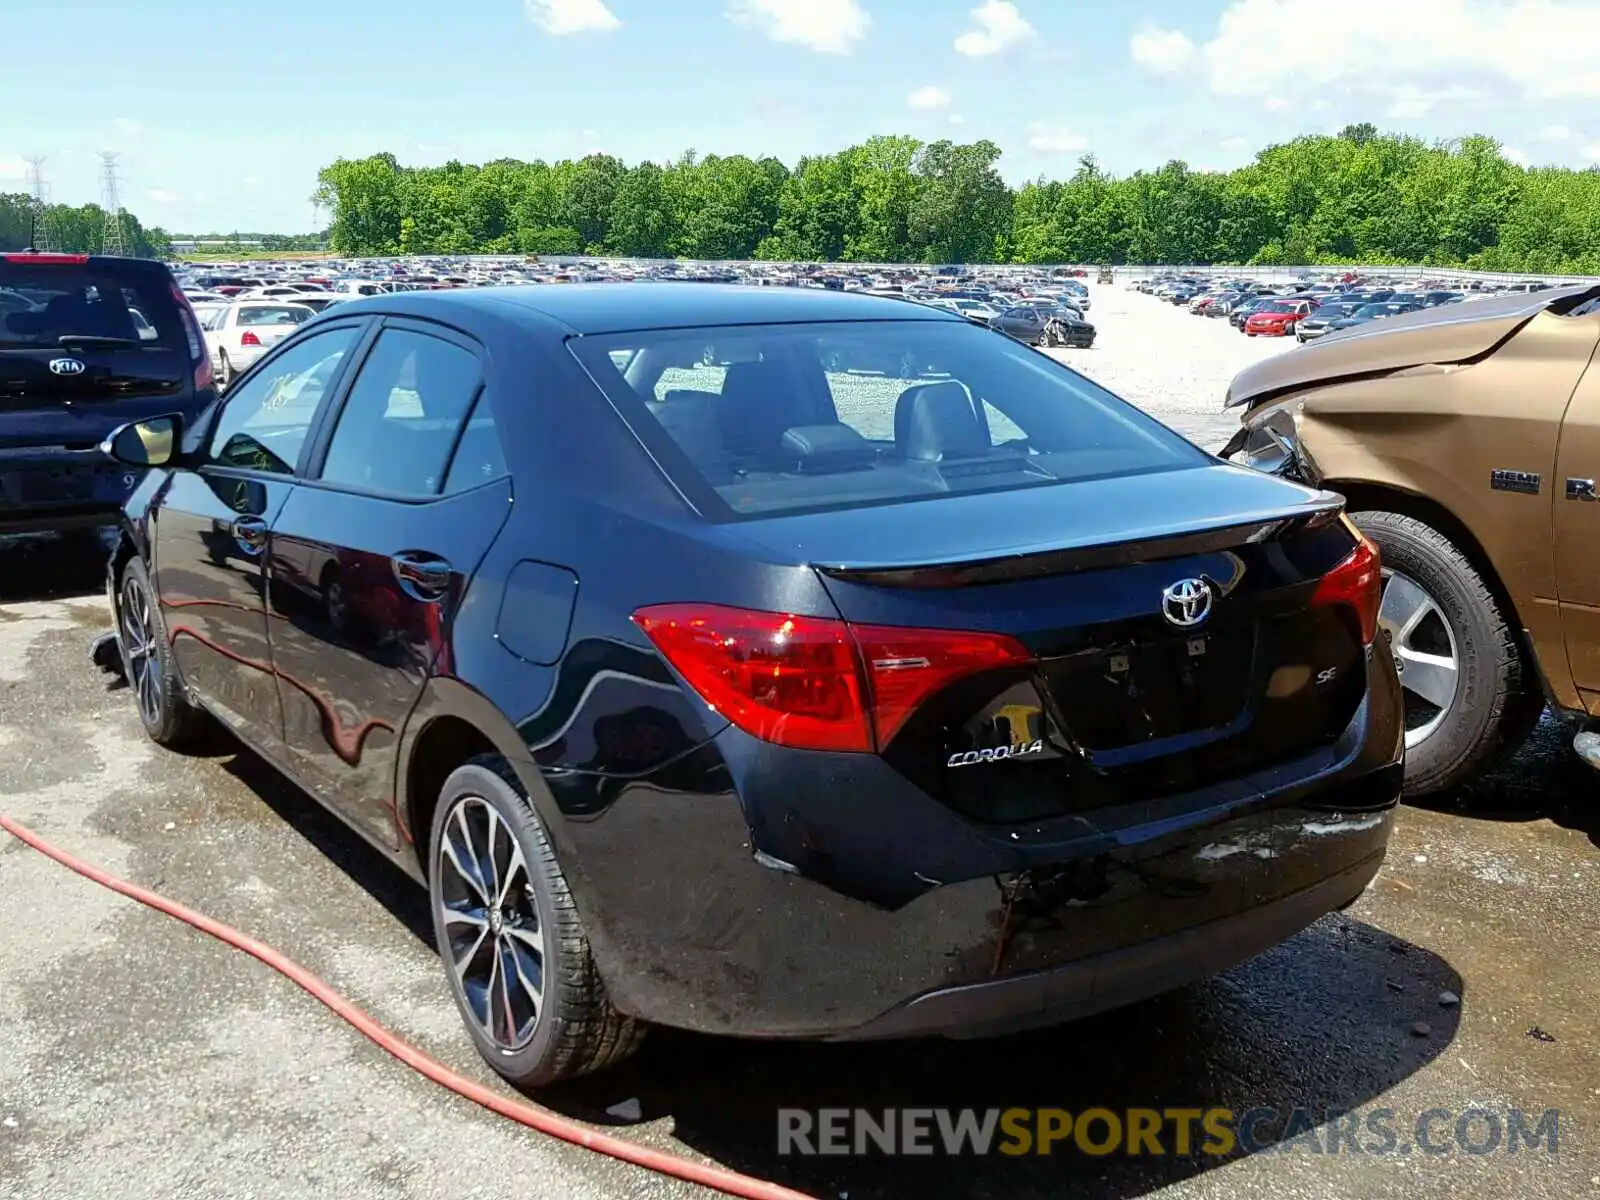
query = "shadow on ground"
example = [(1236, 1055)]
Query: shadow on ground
[(59, 566), (1544, 780), (1322, 1024)]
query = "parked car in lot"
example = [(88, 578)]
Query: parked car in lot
[(1277, 318), (86, 343), (774, 662), (240, 333), (1379, 311), (1465, 441), (1317, 322), (1045, 325)]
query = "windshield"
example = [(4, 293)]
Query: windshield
[(1279, 306), (1373, 310), (42, 304), (757, 420)]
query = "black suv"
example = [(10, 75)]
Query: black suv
[(86, 344)]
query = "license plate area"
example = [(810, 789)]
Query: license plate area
[(1160, 687)]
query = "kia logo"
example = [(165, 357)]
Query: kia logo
[(67, 366)]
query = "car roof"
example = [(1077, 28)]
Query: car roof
[(615, 307)]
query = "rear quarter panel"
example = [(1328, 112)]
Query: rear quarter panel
[(1438, 431)]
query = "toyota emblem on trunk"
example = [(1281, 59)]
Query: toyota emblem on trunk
[(66, 366), (1186, 603)]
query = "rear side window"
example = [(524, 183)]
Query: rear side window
[(44, 303), (402, 415), (773, 419)]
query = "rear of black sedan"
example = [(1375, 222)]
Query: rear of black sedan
[(844, 670)]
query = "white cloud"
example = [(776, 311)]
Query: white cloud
[(1235, 143), (127, 128), (1555, 133), (251, 181), (1512, 154), (1161, 51), (1592, 151), (1410, 101), (163, 196), (827, 26), (1000, 26), (1409, 53), (13, 166), (929, 97), (1276, 104), (561, 17), (1056, 139), (957, 119)]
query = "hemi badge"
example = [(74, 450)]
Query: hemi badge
[(1526, 482)]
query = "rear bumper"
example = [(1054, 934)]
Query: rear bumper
[(1117, 977), (47, 488), (752, 890)]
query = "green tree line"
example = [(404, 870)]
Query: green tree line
[(1360, 196), (76, 230)]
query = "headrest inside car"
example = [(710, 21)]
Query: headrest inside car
[(935, 421), (826, 447)]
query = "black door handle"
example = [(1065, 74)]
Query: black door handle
[(251, 532), (422, 576)]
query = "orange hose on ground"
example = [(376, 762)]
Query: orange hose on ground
[(544, 1121)]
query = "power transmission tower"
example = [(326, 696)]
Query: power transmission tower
[(112, 242), (39, 237)]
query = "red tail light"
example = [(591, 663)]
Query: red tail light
[(51, 260), (811, 682), (248, 338), (1356, 582)]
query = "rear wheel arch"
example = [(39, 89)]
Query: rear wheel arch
[(451, 725)]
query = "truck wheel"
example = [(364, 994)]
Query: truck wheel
[(1470, 696)]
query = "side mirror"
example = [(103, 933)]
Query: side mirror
[(152, 442)]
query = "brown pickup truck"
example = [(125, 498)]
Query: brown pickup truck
[(1467, 442)]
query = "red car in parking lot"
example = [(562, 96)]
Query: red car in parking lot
[(1278, 319)]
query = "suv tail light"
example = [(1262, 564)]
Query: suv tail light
[(816, 683), (249, 338), (198, 354), (1356, 582), (34, 257)]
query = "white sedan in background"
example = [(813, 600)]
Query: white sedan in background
[(245, 330)]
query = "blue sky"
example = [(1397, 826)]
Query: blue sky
[(222, 112)]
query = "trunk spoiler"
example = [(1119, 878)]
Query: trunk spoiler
[(1066, 560)]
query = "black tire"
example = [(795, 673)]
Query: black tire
[(159, 693), (335, 600), (224, 371), (574, 1030), (1497, 699)]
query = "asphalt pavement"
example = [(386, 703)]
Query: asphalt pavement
[(140, 1059)]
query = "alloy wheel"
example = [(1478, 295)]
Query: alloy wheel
[(492, 923), (1425, 653), (139, 645)]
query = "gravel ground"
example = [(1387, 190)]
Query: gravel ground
[(139, 1059), (1173, 365)]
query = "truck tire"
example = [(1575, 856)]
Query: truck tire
[(1472, 697)]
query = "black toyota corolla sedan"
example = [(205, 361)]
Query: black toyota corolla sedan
[(765, 662)]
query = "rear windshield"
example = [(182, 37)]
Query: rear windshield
[(41, 305), (765, 419), (274, 314)]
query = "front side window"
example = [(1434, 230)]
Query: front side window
[(402, 416), (266, 417), (788, 418)]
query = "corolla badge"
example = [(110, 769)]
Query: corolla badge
[(1186, 603), (67, 366), (971, 758)]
